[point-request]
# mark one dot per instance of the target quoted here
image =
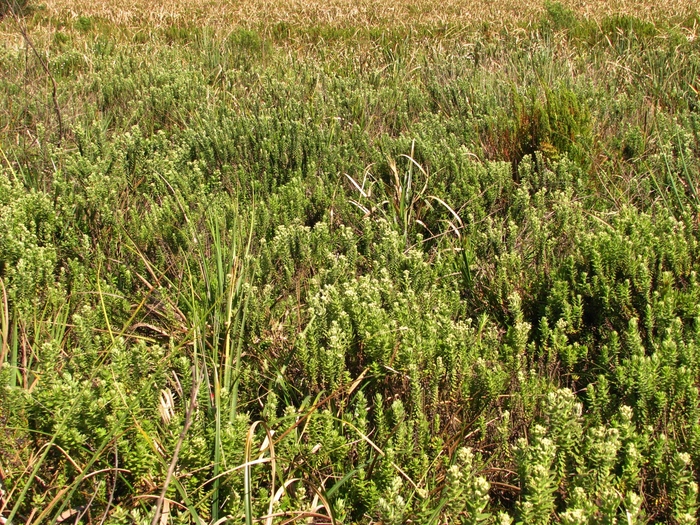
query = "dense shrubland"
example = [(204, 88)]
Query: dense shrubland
[(443, 275)]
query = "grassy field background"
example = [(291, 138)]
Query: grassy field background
[(350, 262), (345, 13)]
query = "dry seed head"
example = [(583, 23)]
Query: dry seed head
[(166, 407)]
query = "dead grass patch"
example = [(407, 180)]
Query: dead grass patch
[(344, 13)]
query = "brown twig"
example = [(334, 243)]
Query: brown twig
[(54, 91), (114, 484), (173, 463)]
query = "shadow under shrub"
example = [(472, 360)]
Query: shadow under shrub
[(18, 7)]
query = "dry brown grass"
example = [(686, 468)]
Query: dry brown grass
[(363, 13)]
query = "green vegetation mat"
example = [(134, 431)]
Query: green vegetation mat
[(441, 273)]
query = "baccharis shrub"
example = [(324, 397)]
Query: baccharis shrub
[(538, 479)]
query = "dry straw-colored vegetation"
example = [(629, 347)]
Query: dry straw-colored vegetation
[(349, 13)]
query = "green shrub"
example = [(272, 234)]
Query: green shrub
[(434, 274)]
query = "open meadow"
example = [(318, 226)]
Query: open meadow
[(342, 262)]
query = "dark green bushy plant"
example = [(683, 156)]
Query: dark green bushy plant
[(13, 7)]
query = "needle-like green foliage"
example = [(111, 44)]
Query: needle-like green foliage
[(305, 272)]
